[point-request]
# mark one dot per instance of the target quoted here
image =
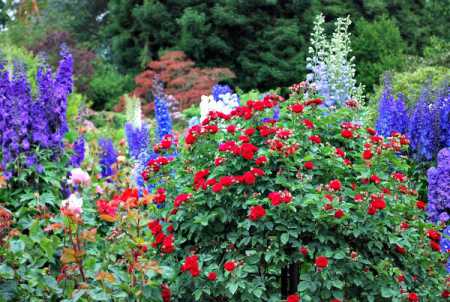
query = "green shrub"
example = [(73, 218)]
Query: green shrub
[(107, 85), (313, 192)]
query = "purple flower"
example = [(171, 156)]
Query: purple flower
[(438, 208), (218, 90), (138, 139), (386, 110), (79, 150), (108, 156), (162, 114)]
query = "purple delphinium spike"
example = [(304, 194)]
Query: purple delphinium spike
[(438, 208), (138, 139), (108, 156), (385, 110), (79, 150), (162, 114), (400, 119)]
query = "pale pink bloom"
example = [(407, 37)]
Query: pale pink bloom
[(79, 177)]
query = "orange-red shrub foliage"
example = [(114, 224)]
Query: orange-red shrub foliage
[(185, 82)]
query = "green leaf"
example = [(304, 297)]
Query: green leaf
[(6, 272), (284, 238), (17, 246)]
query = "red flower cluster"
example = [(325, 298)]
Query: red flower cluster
[(108, 208), (256, 212), (297, 108), (434, 236), (277, 198), (377, 203), (191, 264), (160, 196), (180, 199), (166, 242), (212, 276), (154, 165)]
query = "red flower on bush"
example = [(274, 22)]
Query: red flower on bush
[(261, 160), (315, 139), (304, 250), (335, 184), (345, 133), (248, 151), (165, 293), (212, 276), (321, 262), (433, 234), (340, 152), (229, 266), (276, 198), (339, 213), (421, 205), (400, 249), (309, 165), (180, 199), (293, 298), (191, 264), (249, 178), (296, 108), (413, 297), (367, 154), (218, 187), (308, 123), (256, 212)]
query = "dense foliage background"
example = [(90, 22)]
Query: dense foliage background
[(265, 49)]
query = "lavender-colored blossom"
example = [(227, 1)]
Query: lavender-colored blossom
[(138, 139), (108, 156), (438, 208), (79, 150)]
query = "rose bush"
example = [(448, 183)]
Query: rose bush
[(313, 197)]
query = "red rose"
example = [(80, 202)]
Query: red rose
[(212, 276), (375, 179), (339, 214), (321, 262), (335, 300), (367, 154), (309, 165), (249, 131), (218, 187), (249, 178), (248, 151), (256, 212), (218, 161), (340, 152), (335, 185), (400, 249), (293, 298), (433, 234), (190, 139), (445, 294), (165, 293), (315, 139), (308, 124), (400, 278), (413, 297), (345, 133), (304, 251), (371, 131), (404, 225), (166, 144), (261, 160), (229, 266), (275, 198), (435, 245), (421, 205), (297, 108), (191, 264), (231, 129)]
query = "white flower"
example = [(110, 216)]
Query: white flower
[(74, 204), (225, 105), (79, 177)]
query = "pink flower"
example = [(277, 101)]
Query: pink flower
[(79, 177)]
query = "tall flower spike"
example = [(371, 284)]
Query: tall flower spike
[(162, 115), (385, 109), (108, 156), (438, 208), (79, 151)]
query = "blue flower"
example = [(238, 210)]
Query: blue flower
[(79, 150), (138, 139), (108, 156), (218, 91)]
